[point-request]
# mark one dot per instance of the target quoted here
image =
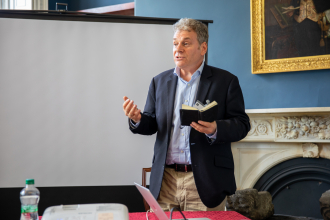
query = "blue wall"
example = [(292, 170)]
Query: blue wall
[(75, 5), (230, 49)]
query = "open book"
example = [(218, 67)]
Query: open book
[(189, 114)]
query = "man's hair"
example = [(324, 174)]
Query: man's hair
[(189, 24)]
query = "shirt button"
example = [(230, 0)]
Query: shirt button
[(188, 84), (182, 151), (182, 134), (186, 100)]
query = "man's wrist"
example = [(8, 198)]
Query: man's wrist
[(137, 121), (212, 136), (134, 124)]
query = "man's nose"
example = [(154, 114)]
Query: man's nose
[(179, 47)]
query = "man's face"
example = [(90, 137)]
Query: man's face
[(187, 52)]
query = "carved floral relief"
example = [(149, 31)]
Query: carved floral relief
[(306, 127), (260, 127), (310, 150)]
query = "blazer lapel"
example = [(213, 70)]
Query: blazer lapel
[(171, 88), (204, 84)]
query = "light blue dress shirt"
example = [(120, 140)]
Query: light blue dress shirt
[(179, 149)]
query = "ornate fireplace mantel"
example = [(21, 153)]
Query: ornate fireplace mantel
[(278, 135)]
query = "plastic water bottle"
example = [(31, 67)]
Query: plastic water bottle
[(29, 201)]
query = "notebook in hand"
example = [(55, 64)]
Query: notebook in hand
[(189, 114)]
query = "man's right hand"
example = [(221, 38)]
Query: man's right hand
[(131, 110)]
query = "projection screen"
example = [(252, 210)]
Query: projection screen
[(62, 84)]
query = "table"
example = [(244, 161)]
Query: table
[(213, 215)]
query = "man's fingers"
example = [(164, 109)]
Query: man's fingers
[(132, 112), (125, 103), (204, 123), (204, 127), (137, 115), (197, 127), (128, 107), (137, 112)]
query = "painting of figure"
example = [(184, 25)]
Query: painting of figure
[(296, 28)]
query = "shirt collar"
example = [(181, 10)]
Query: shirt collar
[(198, 71)]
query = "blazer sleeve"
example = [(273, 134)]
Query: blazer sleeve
[(236, 124), (148, 123)]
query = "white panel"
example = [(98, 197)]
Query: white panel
[(61, 93), (20, 3), (23, 4)]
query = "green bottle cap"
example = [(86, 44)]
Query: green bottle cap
[(29, 181)]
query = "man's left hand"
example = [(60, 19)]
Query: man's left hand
[(205, 127)]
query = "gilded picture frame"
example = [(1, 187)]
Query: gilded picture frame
[(262, 65)]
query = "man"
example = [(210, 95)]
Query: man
[(192, 167)]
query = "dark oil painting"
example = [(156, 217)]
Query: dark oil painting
[(296, 28)]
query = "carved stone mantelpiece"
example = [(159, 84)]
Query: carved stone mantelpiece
[(278, 135), (312, 125), (262, 129), (304, 128)]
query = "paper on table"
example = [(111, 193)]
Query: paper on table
[(105, 216)]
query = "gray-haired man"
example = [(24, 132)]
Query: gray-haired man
[(193, 166)]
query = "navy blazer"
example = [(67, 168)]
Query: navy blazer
[(212, 163)]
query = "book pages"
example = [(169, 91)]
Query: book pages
[(212, 104), (187, 107)]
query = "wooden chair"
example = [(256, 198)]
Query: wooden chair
[(144, 183)]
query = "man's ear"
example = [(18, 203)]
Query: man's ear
[(203, 48)]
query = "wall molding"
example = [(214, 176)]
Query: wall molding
[(289, 125)]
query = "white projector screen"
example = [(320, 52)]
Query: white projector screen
[(61, 93)]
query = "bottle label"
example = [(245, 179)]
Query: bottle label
[(26, 216), (29, 208)]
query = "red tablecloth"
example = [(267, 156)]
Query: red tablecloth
[(213, 215)]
